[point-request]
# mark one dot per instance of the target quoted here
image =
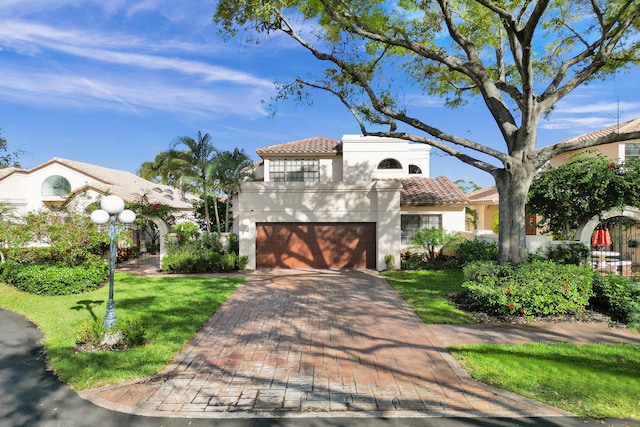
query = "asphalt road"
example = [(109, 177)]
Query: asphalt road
[(30, 395)]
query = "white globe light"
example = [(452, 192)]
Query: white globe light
[(112, 204), (99, 216), (127, 216)]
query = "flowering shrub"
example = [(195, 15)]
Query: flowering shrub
[(185, 232), (539, 288), (71, 239)]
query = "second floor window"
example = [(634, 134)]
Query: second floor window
[(389, 164), (56, 185), (301, 170)]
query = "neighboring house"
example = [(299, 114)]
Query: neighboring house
[(624, 224), (322, 203), (620, 151), (75, 185), (484, 208)]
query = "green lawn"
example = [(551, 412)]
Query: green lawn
[(428, 292), (588, 380), (172, 309), (593, 380)]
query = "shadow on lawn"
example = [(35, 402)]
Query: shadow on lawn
[(87, 304)]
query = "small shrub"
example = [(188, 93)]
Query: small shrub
[(530, 289), (90, 333), (53, 279), (126, 333), (204, 255), (569, 253), (619, 297), (390, 262), (241, 262), (419, 261), (133, 332), (233, 244), (476, 250)]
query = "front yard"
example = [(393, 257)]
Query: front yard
[(588, 380), (591, 380), (171, 309)]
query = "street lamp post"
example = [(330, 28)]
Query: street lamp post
[(112, 209)]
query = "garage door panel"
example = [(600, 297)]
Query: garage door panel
[(315, 245)]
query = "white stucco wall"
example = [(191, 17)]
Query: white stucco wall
[(377, 202), (362, 154), (453, 217), (24, 192)]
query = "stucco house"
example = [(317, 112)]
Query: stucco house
[(74, 185), (624, 224), (323, 203)]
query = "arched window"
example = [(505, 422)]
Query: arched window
[(389, 164), (415, 170), (56, 185)]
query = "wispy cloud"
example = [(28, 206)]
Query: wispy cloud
[(119, 71), (31, 38), (111, 92), (591, 108)]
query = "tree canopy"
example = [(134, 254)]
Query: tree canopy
[(571, 194), (201, 168), (518, 57)]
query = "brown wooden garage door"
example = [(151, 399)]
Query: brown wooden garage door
[(316, 245)]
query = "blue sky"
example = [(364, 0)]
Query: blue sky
[(112, 82)]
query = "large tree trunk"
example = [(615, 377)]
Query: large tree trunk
[(513, 185)]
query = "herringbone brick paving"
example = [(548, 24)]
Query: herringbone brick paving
[(303, 342)]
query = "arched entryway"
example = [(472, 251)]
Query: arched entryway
[(624, 226), (161, 228)]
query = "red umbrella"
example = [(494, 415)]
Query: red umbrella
[(601, 237)]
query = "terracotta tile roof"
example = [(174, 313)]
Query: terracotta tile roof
[(431, 191), (125, 184), (625, 127), (485, 195), (315, 145)]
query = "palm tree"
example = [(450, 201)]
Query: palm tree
[(197, 162), (231, 172), (167, 168)]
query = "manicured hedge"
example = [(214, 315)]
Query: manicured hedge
[(53, 279), (538, 288), (203, 262)]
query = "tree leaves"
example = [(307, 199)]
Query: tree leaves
[(568, 195)]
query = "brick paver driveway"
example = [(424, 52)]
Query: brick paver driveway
[(300, 342)]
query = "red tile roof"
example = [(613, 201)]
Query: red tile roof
[(485, 195), (625, 127), (431, 191), (315, 145)]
